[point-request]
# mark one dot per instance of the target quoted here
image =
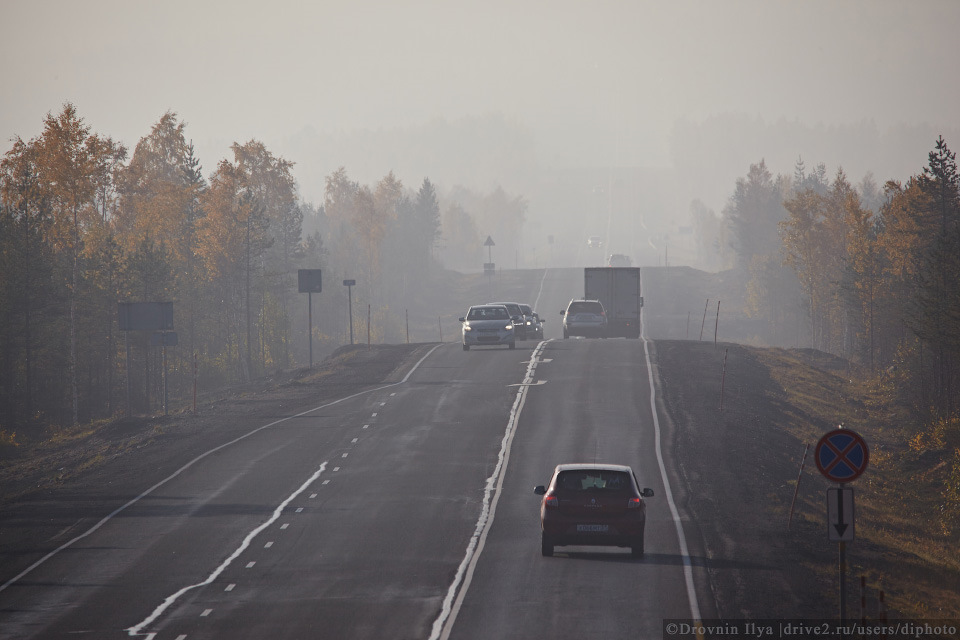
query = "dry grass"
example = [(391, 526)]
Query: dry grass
[(903, 543)]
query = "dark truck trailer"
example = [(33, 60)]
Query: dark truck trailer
[(618, 289)]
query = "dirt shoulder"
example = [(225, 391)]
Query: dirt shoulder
[(740, 454), (740, 467)]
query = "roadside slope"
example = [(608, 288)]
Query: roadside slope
[(741, 463)]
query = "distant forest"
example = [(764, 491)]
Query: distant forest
[(83, 228), (84, 225), (875, 270)]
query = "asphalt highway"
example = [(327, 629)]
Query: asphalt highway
[(403, 512)]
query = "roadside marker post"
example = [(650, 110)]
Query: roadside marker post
[(842, 456), (796, 489)]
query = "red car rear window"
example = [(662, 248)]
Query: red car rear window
[(593, 480)]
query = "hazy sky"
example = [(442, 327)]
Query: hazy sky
[(237, 70)]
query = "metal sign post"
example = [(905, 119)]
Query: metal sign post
[(142, 316), (164, 339), (841, 456), (309, 281), (349, 285), (489, 267)]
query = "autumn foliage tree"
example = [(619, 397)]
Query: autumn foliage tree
[(82, 228), (883, 287)]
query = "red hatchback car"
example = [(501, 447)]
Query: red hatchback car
[(593, 504)]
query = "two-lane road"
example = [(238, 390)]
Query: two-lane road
[(402, 512)]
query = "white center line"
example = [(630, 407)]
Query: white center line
[(443, 624), (169, 600), (268, 545), (230, 587), (206, 612), (202, 456)]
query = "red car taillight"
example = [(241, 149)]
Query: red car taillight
[(634, 503), (551, 502)]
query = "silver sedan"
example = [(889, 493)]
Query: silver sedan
[(487, 325)]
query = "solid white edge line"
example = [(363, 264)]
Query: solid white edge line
[(675, 514), (536, 301), (443, 625), (176, 473), (168, 602)]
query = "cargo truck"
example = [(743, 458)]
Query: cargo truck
[(618, 289)]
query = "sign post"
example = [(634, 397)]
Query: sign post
[(841, 456), (489, 267), (164, 339), (142, 316), (309, 281), (349, 285)]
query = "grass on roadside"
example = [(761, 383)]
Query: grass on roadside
[(907, 525)]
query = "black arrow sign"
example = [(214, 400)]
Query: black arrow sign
[(840, 514), (841, 526)]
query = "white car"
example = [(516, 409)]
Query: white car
[(584, 318), (487, 325)]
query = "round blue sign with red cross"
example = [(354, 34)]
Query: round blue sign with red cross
[(842, 455)]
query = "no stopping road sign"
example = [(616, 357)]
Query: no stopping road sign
[(842, 455)]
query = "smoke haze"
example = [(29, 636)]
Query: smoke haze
[(672, 101)]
